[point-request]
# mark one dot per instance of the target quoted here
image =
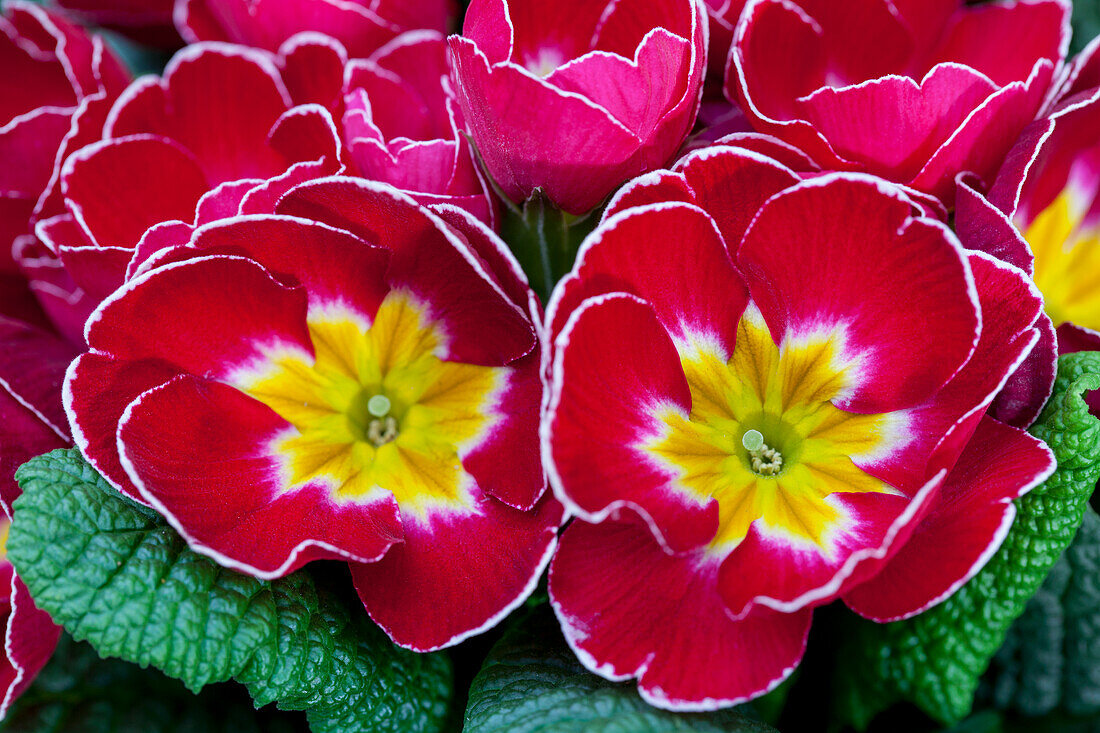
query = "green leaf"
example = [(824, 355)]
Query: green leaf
[(1086, 23), (113, 573), (1051, 659), (936, 659), (532, 683), (78, 692)]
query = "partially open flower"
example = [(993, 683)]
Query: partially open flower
[(362, 384), (576, 97), (402, 125), (761, 402), (910, 90), (221, 132), (361, 26)]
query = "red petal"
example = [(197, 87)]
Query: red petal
[(898, 288), (614, 366), (119, 188), (215, 314), (458, 575), (963, 530), (219, 102), (629, 609)]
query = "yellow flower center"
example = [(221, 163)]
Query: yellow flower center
[(378, 409), (764, 439), (1067, 263)]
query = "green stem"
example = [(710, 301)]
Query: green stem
[(544, 240)]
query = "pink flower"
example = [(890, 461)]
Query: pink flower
[(361, 26), (57, 80), (221, 134), (760, 403), (576, 97), (145, 21), (913, 91), (352, 378)]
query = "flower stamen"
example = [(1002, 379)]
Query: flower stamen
[(383, 428), (765, 460)]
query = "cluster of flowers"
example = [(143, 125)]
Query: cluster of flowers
[(264, 294)]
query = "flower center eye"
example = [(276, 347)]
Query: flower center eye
[(765, 460), (371, 420)]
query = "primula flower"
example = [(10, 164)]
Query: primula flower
[(56, 79), (761, 403), (913, 91), (223, 135), (362, 384), (402, 125), (361, 26), (576, 97)]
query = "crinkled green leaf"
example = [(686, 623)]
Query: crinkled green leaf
[(1051, 658), (78, 692), (532, 683), (936, 659), (113, 573)]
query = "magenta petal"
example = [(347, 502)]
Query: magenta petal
[(520, 480), (32, 370), (731, 184), (657, 187), (629, 609), (892, 125), (982, 142), (979, 36), (602, 410), (268, 23), (458, 575), (23, 435), (634, 92), (909, 332), (201, 453), (982, 226), (1023, 396), (963, 530)]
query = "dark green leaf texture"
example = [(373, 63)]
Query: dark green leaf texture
[(113, 573), (1051, 658), (78, 692), (532, 683), (936, 659)]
